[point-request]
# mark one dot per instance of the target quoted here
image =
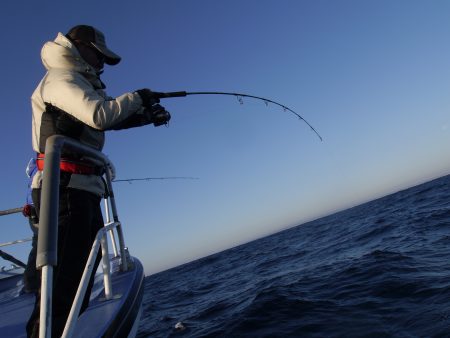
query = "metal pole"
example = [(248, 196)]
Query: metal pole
[(111, 232), (10, 211), (16, 242), (112, 201), (45, 319), (46, 257), (82, 287), (48, 216), (106, 267), (48, 213), (47, 247), (76, 305)]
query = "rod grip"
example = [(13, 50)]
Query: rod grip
[(170, 94)]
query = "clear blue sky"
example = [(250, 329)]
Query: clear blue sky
[(373, 77)]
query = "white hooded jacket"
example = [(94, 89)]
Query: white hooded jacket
[(73, 86)]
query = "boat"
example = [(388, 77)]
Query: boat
[(116, 299)]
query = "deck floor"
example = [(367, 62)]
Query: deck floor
[(101, 315), (15, 308)]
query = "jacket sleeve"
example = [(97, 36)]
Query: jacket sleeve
[(73, 93), (135, 120)]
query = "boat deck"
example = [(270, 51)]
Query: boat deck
[(108, 318)]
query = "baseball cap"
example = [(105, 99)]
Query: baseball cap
[(95, 38)]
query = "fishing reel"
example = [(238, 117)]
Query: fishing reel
[(160, 116)]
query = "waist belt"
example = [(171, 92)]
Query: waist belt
[(73, 166)]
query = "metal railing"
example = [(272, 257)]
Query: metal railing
[(48, 234), (17, 241)]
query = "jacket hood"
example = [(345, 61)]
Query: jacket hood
[(62, 54)]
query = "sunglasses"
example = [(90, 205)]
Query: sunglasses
[(98, 54)]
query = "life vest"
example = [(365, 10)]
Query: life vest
[(56, 121), (73, 166)]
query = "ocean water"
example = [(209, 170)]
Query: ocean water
[(381, 269)]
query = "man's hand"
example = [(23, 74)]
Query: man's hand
[(157, 115), (148, 97)]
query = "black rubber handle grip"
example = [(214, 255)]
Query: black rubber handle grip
[(170, 94)]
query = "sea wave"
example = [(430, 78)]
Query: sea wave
[(376, 270)]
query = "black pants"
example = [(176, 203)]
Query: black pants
[(31, 278), (79, 220)]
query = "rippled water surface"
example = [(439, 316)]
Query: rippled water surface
[(381, 269)]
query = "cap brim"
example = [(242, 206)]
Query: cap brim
[(111, 58)]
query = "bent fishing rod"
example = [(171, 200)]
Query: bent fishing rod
[(161, 95)]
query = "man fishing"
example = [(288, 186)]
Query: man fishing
[(70, 100)]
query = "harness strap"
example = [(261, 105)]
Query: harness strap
[(72, 166)]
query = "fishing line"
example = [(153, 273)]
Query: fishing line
[(130, 180), (240, 97)]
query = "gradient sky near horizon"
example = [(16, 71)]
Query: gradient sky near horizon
[(373, 77)]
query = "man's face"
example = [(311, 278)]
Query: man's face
[(91, 55)]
